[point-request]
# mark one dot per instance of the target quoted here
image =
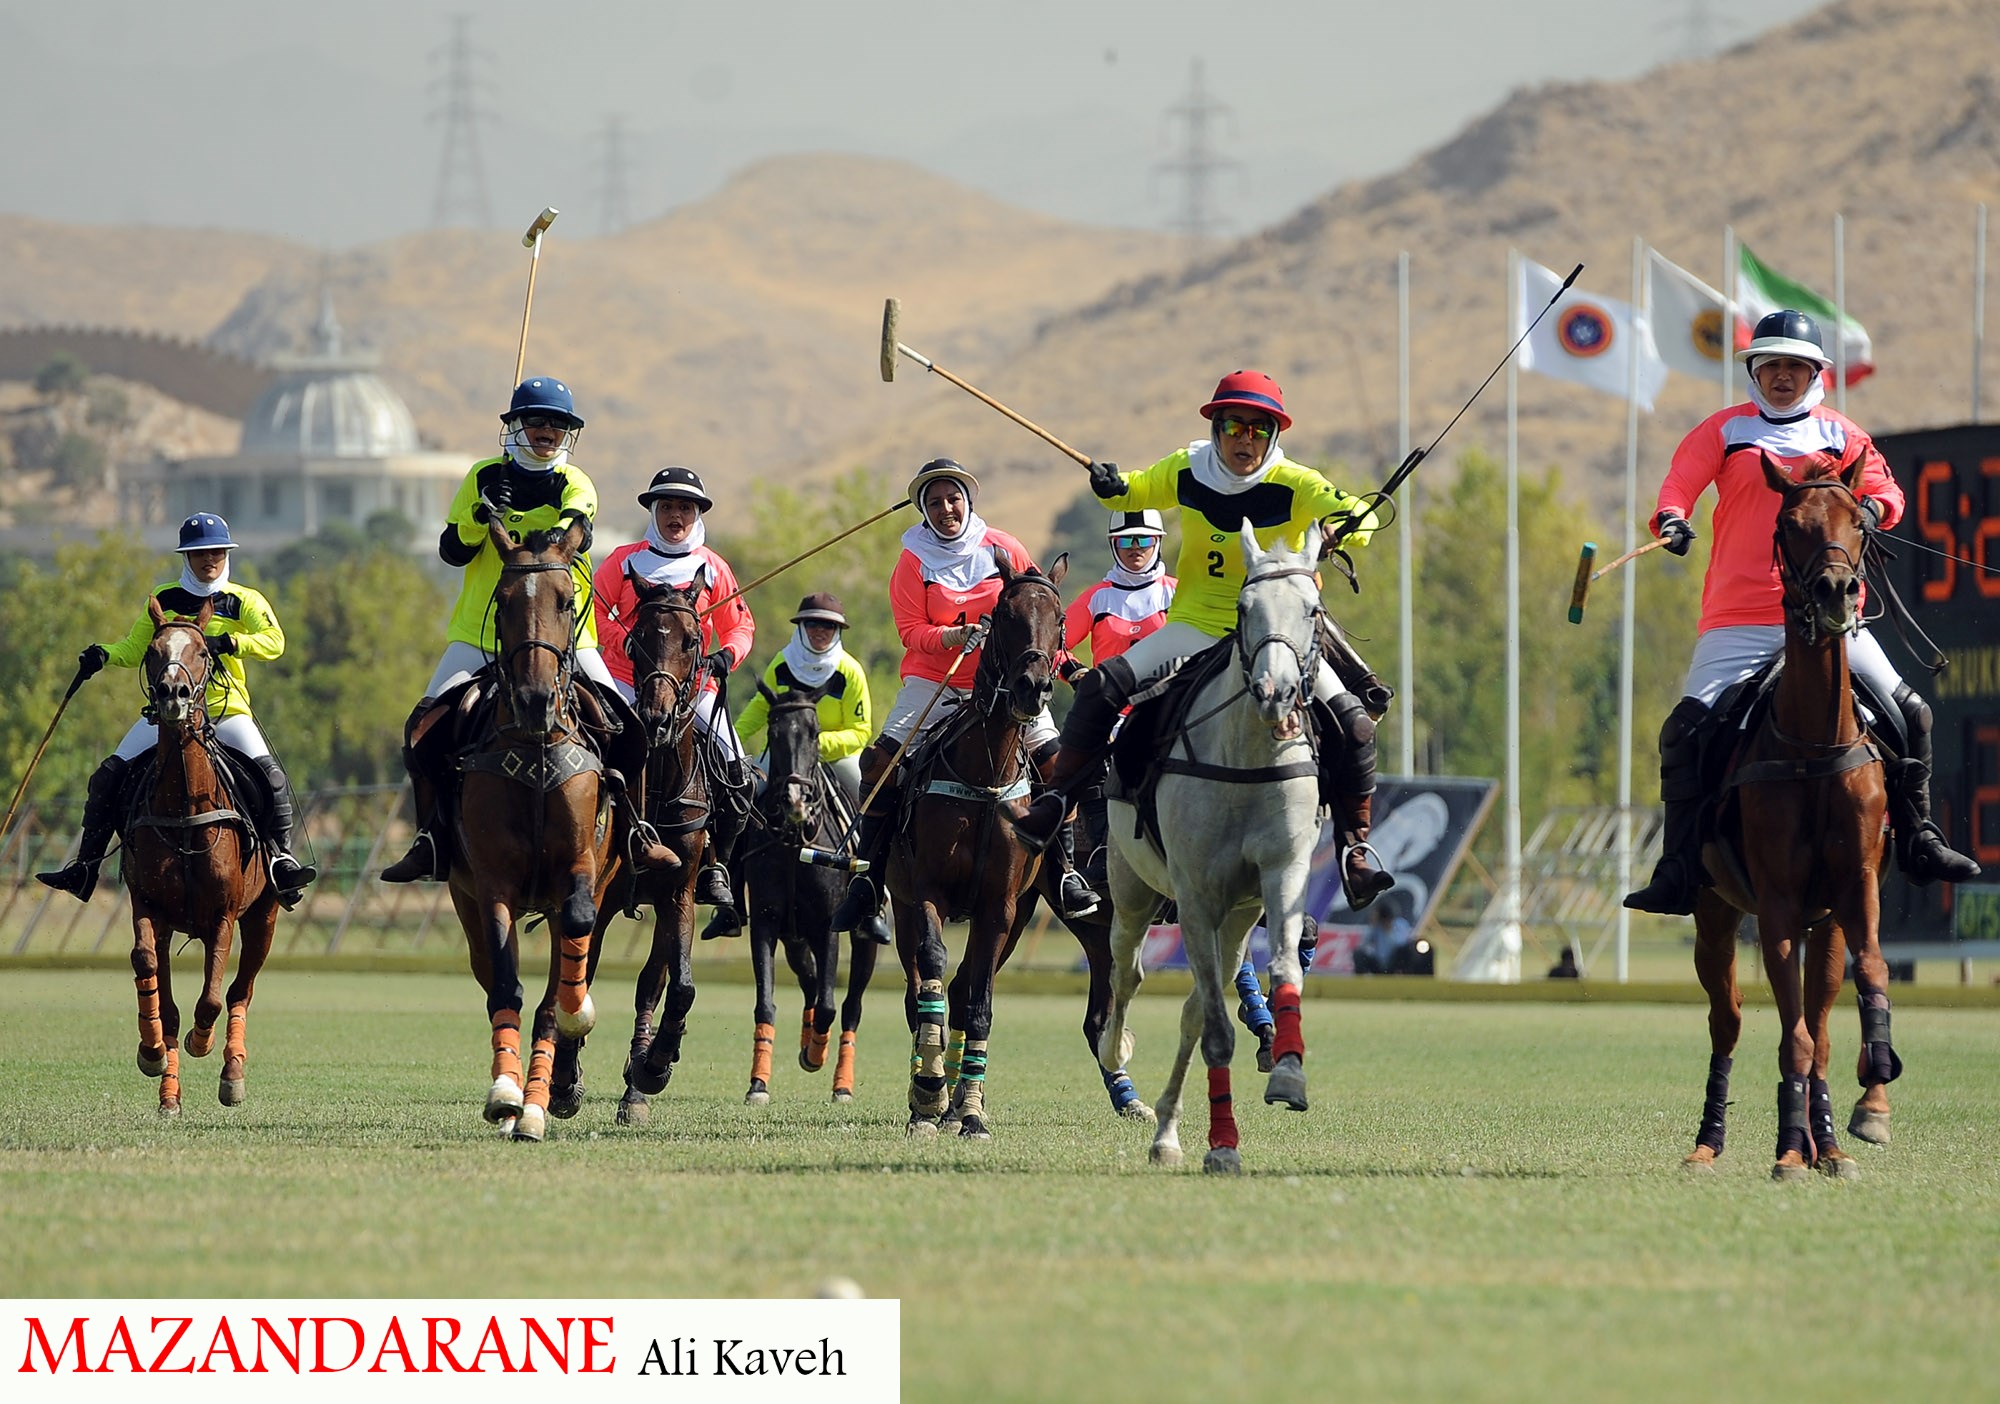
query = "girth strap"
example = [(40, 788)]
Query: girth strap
[(1258, 775), (1805, 767), (189, 821)]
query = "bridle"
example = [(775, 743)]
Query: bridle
[(812, 781), (565, 653), (198, 685), (993, 688), (685, 690), (1307, 658), (1798, 582)]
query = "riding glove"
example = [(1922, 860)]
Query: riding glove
[(1106, 480), (219, 644), (1871, 514), (1676, 533), (719, 663), (90, 662)]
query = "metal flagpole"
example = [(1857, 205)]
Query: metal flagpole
[(1513, 827), (1642, 304), (1406, 750), (1840, 314), (1978, 303), (1729, 262)]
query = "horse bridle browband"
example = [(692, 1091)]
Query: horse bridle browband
[(1796, 581), (1307, 658)]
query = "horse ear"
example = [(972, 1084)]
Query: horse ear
[(153, 610), (573, 541), (503, 539), (205, 613), (1774, 473), (1059, 569), (1850, 476), (1315, 545), (1003, 563), (1252, 552)]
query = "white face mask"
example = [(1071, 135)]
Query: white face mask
[(514, 443)]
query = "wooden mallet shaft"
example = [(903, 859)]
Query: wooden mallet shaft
[(892, 310), (1585, 576)]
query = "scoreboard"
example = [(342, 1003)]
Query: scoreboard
[(1951, 480)]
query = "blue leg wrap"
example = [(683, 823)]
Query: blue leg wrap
[(1119, 1085), (1253, 1011)]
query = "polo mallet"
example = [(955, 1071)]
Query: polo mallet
[(891, 348), (1585, 576), (805, 555), (36, 759), (838, 858), (1418, 455), (532, 241)]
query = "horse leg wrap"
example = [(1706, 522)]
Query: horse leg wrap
[(170, 1080), (843, 1068), (1883, 1064), (972, 1065), (927, 1083), (150, 1033), (233, 1046), (541, 1067), (812, 1045), (1819, 1114), (760, 1052), (573, 964), (954, 1056), (1221, 1110), (1119, 1085), (1291, 1034), (507, 1044), (971, 1098), (1792, 1098), (1251, 1006), (1715, 1104)]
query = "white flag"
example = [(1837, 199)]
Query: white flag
[(1586, 338), (1687, 317)]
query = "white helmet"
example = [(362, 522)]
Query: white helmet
[(1146, 523)]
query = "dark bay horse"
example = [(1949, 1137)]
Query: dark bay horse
[(792, 904), (192, 866), (956, 856), (664, 644), (533, 823), (1799, 841)]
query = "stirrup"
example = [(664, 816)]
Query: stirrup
[(1066, 886), (1379, 878), (420, 864), (76, 877)]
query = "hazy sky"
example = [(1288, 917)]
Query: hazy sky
[(315, 121)]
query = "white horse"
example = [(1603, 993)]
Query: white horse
[(1238, 816)]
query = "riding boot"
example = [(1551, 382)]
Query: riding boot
[(861, 908), (727, 815), (1074, 897), (78, 877), (1100, 697), (625, 752), (1921, 851), (1095, 826), (426, 861), (1677, 877), (288, 874), (1347, 769)]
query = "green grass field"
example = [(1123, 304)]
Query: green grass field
[(1485, 1200)]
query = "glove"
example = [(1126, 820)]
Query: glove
[(481, 513), (1106, 480), (1871, 515), (219, 644), (501, 493), (954, 637), (719, 663), (1072, 672), (1675, 531), (91, 661)]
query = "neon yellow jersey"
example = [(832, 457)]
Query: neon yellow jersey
[(540, 501), (239, 611), (1290, 499), (843, 711)]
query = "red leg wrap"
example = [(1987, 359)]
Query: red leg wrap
[(1291, 1037), (1221, 1110)]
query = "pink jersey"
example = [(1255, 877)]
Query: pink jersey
[(924, 609), (1117, 616), (732, 627), (1742, 584)]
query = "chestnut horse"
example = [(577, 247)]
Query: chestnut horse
[(956, 857), (665, 647), (1802, 850), (193, 866), (534, 823)]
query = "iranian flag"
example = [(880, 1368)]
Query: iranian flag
[(1760, 291)]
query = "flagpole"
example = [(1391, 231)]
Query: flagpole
[(1729, 261), (1406, 750), (1840, 313), (1978, 303), (1512, 879), (1642, 301)]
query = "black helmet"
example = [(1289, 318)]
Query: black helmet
[(1786, 332)]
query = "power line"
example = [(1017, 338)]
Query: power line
[(461, 181), (1198, 162), (614, 211)]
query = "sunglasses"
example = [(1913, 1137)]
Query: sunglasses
[(543, 421), (1231, 427), (1134, 543)]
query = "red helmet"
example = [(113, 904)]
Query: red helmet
[(1250, 390)]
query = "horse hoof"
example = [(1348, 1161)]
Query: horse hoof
[(634, 1112), (1139, 1111), (1701, 1158), (579, 1024), (532, 1124), (504, 1128), (644, 1077), (922, 1128), (1839, 1165), (1287, 1084), (1265, 1038), (1870, 1126), (843, 1094), (758, 1096), (169, 1110), (1790, 1171), (503, 1100), (809, 1063), (231, 1092), (153, 1066), (199, 1043), (974, 1128), (1222, 1160), (565, 1102), (1164, 1153)]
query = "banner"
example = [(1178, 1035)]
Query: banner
[(1761, 291), (1687, 318), (1586, 339)]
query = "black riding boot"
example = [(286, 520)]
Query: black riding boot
[(1094, 824), (1678, 875), (1347, 769), (288, 874), (861, 909), (1099, 699), (1921, 851), (78, 877), (1073, 895), (426, 861), (727, 815)]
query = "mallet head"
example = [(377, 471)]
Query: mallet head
[(535, 230), (891, 311), (1581, 586)]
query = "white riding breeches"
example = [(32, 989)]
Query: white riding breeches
[(1173, 640), (238, 732), (461, 660), (915, 694), (1734, 652)]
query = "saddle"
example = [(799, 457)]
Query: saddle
[(247, 798)]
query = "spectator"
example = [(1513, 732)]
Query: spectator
[(1384, 946), (1566, 968)]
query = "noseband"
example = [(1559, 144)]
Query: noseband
[(996, 688), (1307, 657), (682, 710), (565, 652), (199, 686), (1828, 554)]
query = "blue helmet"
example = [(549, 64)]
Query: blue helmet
[(205, 531), (543, 394)]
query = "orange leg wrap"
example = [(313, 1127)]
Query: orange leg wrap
[(170, 1081), (843, 1069), (507, 1044), (571, 981), (812, 1045), (541, 1064), (150, 1033), (232, 1044), (1290, 1037), (760, 1053), (1221, 1110)]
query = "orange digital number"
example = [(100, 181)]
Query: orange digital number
[(1985, 766), (1988, 530), (1938, 532)]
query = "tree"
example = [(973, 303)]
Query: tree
[(62, 374), (79, 461)]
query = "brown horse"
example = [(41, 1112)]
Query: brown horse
[(192, 866), (533, 823), (665, 647), (1802, 850), (957, 856)]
